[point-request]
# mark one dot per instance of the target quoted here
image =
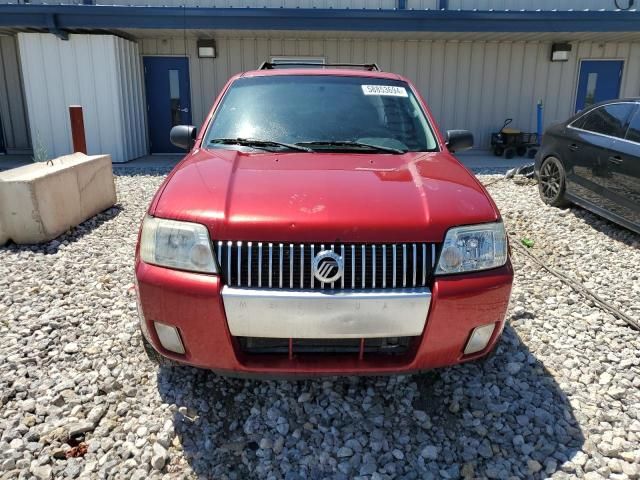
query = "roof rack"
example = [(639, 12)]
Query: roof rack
[(372, 67)]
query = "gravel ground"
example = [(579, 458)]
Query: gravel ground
[(560, 398)]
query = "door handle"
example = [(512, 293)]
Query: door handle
[(574, 147), (615, 159), (183, 110)]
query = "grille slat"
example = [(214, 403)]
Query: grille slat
[(394, 265), (313, 253), (384, 266), (259, 264), (270, 265), (239, 250), (415, 269), (291, 265)]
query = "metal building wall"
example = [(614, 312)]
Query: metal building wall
[(467, 84), (100, 72), (13, 112), (375, 4), (520, 4)]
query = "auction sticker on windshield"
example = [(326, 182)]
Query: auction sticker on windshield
[(386, 90)]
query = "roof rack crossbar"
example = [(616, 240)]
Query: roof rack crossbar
[(372, 67)]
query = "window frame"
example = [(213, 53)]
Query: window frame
[(635, 114), (596, 107)]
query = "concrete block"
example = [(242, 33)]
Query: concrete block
[(39, 202)]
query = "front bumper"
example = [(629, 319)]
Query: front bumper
[(194, 304), (325, 313)]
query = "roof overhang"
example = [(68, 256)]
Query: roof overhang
[(60, 18)]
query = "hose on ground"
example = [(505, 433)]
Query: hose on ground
[(572, 283), (579, 288)]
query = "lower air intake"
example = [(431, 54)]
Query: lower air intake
[(385, 346)]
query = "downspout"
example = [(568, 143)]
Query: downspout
[(402, 4), (443, 4), (52, 27)]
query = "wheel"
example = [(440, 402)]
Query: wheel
[(154, 356), (532, 153), (498, 150), (521, 150), (551, 183), (509, 153)]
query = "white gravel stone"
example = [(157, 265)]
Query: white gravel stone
[(71, 348), (429, 452), (560, 398)]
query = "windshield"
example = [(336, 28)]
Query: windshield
[(323, 113)]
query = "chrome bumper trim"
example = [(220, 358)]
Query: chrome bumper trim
[(327, 313)]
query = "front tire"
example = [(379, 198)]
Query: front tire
[(552, 183)]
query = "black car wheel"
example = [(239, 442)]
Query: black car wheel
[(551, 183), (498, 151), (521, 151)]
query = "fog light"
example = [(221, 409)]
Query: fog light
[(479, 338), (169, 337)]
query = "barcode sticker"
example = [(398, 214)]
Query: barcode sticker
[(386, 90)]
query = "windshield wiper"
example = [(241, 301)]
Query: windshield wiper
[(351, 144), (262, 144)]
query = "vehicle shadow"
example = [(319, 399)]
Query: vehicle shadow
[(606, 227), (72, 235), (503, 417), (153, 171)]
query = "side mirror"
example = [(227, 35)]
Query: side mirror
[(459, 140), (183, 136)]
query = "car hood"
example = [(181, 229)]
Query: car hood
[(324, 197)]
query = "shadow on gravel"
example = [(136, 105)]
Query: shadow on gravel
[(73, 235), (141, 171), (504, 417), (608, 228)]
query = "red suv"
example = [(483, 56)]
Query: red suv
[(320, 225)]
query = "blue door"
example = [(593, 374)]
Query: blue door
[(168, 99), (599, 81)]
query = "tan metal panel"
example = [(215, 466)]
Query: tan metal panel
[(355, 4), (474, 117), (467, 84), (461, 114), (631, 78), (106, 85), (527, 4), (13, 110)]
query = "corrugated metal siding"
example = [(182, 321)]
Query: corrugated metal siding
[(369, 4), (13, 111), (532, 4), (423, 4), (278, 3), (473, 85), (374, 4), (100, 72)]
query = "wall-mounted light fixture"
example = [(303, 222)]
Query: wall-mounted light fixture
[(560, 52), (207, 48)]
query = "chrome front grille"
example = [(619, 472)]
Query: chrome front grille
[(290, 266)]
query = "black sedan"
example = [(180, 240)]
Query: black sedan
[(593, 160)]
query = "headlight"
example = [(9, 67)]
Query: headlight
[(472, 248), (173, 244)]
